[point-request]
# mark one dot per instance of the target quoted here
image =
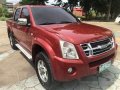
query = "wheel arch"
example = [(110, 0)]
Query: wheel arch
[(40, 45), (36, 48)]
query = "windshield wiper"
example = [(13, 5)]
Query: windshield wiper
[(46, 23), (66, 22)]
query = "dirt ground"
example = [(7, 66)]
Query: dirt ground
[(13, 66)]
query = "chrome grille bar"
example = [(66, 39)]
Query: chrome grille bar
[(98, 47)]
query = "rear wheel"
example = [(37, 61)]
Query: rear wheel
[(12, 41), (43, 70)]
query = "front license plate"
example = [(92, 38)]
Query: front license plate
[(104, 66)]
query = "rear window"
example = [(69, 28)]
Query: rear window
[(51, 15)]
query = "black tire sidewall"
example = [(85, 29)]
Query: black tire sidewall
[(43, 56), (13, 41)]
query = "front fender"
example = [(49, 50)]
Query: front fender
[(49, 51), (46, 46)]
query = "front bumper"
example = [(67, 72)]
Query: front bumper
[(80, 68)]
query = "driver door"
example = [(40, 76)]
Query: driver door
[(25, 30)]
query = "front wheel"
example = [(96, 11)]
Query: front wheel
[(43, 70)]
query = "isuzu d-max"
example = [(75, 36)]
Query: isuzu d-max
[(61, 47)]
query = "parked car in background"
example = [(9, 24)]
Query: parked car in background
[(117, 20)]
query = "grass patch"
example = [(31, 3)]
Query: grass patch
[(3, 18)]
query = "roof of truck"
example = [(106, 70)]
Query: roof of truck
[(38, 6)]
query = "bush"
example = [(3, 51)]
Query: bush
[(3, 12), (3, 18)]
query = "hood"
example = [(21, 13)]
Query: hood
[(78, 32)]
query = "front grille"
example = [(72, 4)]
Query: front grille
[(98, 47), (101, 61), (102, 42)]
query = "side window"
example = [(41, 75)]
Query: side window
[(17, 13), (25, 14)]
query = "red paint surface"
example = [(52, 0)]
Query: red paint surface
[(48, 37)]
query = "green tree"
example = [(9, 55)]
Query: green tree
[(109, 8), (115, 8), (3, 12), (34, 2), (99, 6), (87, 5)]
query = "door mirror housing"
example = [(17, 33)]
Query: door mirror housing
[(22, 21)]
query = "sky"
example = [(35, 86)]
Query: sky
[(53, 1), (16, 1), (13, 1)]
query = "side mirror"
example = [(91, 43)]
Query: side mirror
[(22, 21)]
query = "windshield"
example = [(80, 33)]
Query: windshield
[(52, 15)]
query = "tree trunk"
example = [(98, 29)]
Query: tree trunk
[(109, 10)]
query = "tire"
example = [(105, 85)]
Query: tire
[(12, 42), (42, 66)]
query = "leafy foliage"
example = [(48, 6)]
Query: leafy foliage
[(108, 8), (115, 8), (3, 18), (3, 12), (33, 2)]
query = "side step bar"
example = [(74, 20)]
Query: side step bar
[(24, 51)]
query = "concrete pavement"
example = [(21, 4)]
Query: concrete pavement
[(107, 80), (13, 66)]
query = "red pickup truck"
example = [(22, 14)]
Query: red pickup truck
[(61, 47)]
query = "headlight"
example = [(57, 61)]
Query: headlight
[(68, 50)]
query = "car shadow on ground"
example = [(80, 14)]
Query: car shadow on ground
[(30, 61), (101, 81)]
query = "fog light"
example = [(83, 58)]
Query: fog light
[(70, 70)]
